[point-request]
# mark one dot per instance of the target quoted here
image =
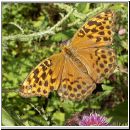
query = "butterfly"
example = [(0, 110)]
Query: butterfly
[(83, 61)]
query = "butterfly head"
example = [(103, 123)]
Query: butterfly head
[(65, 43)]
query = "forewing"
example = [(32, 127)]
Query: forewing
[(44, 78), (96, 32)]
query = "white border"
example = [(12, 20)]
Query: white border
[(47, 1), (0, 69), (64, 127)]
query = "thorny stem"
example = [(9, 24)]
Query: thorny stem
[(7, 90), (52, 30), (42, 113), (37, 34)]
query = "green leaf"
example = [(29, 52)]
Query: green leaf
[(59, 37), (59, 117), (6, 119), (84, 8), (120, 113)]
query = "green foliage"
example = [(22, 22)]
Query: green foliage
[(20, 55), (6, 119), (119, 113)]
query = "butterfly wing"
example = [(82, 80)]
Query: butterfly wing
[(44, 78), (96, 32), (75, 85), (90, 43), (60, 72), (100, 62)]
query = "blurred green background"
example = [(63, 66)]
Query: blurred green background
[(21, 52)]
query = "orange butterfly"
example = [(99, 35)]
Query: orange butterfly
[(83, 62)]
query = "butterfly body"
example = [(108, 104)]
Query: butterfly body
[(70, 53), (83, 62)]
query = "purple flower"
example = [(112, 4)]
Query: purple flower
[(93, 119)]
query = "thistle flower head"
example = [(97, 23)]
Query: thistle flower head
[(93, 119)]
